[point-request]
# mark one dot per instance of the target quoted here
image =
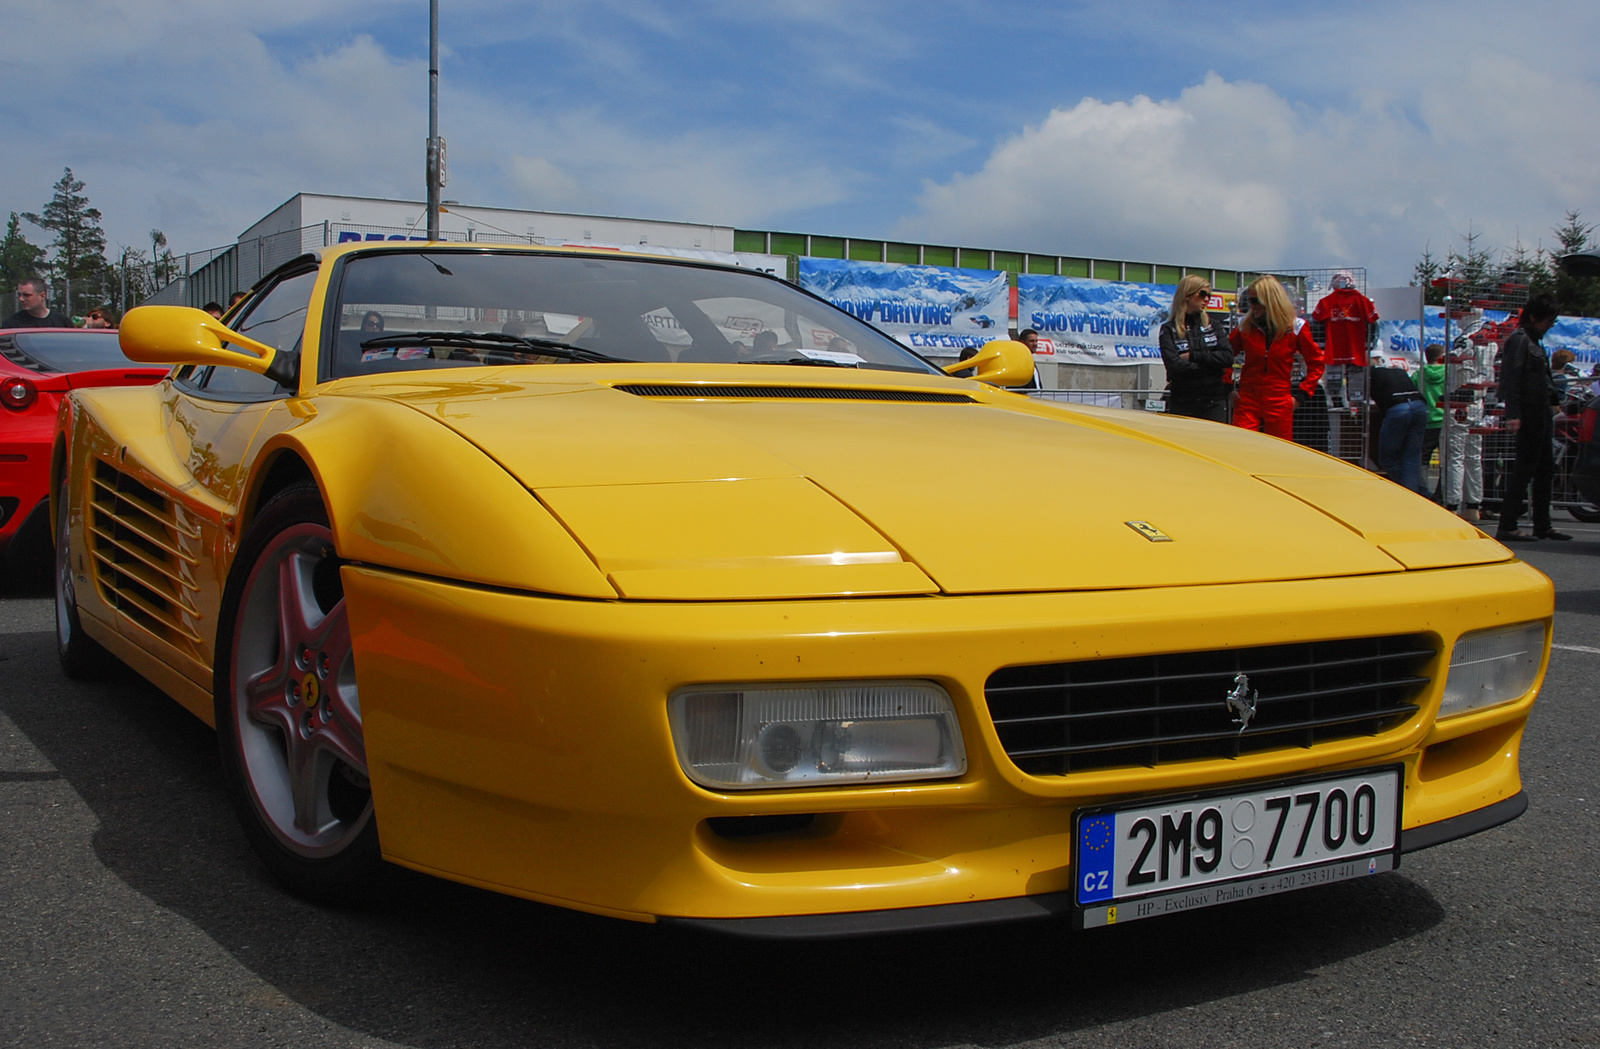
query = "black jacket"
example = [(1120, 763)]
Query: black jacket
[(1525, 384), (1206, 375), (1389, 387)]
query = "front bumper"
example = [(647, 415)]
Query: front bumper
[(521, 742)]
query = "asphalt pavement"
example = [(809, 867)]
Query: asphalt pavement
[(133, 913)]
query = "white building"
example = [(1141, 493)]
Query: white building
[(308, 221)]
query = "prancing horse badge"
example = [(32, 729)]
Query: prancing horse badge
[(1149, 531)]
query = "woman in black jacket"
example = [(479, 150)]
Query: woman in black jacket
[(1195, 349)]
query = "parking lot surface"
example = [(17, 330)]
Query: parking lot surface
[(133, 913)]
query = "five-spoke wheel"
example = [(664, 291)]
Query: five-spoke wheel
[(288, 709)]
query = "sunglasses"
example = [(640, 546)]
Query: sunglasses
[(1253, 302)]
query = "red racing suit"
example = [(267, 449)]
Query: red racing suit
[(1266, 398)]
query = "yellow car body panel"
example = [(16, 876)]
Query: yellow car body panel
[(526, 744), (537, 558)]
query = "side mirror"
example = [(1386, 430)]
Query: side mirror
[(181, 335), (1000, 363)]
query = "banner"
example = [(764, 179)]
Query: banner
[(1094, 321), (934, 309), (1581, 335)]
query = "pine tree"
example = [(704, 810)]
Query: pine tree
[(1473, 266), (19, 259), (1424, 273), (1576, 296), (79, 243)]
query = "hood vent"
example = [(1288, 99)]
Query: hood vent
[(142, 558), (705, 391)]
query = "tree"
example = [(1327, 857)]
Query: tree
[(163, 267), (1488, 276), (1424, 273), (1576, 296), (18, 258), (79, 243)]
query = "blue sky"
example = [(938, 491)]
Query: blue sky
[(1246, 134)]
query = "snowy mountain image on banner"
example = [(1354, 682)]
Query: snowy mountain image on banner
[(932, 308), (1095, 321)]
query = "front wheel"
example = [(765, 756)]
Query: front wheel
[(288, 711), (1588, 513)]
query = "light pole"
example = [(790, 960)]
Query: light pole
[(435, 144)]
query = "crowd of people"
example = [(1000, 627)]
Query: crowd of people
[(1414, 411)]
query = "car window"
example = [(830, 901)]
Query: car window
[(277, 318), (64, 351), (408, 310)]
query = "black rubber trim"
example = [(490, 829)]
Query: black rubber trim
[(1431, 834), (870, 923)]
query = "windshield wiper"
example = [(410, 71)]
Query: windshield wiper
[(491, 341), (815, 362)]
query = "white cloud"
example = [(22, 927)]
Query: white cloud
[(204, 138), (1233, 174)]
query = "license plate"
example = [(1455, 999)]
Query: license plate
[(1183, 853)]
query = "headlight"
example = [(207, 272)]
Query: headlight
[(1490, 667), (732, 737)]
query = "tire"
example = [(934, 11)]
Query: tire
[(288, 713), (81, 656), (1588, 513)]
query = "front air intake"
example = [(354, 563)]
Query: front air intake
[(1062, 718), (706, 391)]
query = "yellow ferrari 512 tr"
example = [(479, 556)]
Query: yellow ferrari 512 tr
[(668, 591)]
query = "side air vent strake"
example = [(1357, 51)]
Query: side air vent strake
[(141, 564)]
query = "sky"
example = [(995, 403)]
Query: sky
[(1246, 135)]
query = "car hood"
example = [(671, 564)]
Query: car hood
[(809, 487)]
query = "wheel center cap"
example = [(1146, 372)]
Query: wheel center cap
[(310, 694)]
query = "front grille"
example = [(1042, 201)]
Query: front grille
[(141, 562), (1154, 710), (803, 393)]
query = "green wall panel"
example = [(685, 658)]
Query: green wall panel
[(788, 244), (827, 247)]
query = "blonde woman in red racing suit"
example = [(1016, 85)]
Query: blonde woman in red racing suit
[(1269, 336)]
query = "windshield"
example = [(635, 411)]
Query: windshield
[(406, 310), (65, 351)]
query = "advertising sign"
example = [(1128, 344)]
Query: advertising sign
[(934, 309), (1581, 335), (1094, 321)]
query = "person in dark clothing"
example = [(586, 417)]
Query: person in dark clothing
[(1405, 420), (1530, 398), (1195, 349), (35, 311)]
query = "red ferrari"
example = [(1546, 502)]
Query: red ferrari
[(38, 366)]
